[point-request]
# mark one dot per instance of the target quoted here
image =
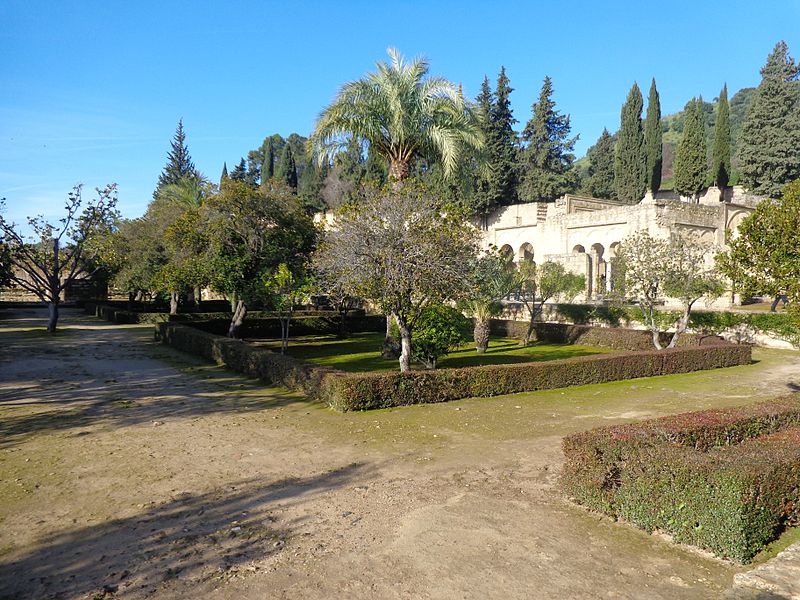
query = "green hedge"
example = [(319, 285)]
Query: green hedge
[(353, 391), (604, 337), (725, 480), (780, 325)]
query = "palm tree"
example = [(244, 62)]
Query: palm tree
[(403, 115), (187, 192)]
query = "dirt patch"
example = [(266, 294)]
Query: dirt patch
[(129, 470)]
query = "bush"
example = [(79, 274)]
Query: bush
[(438, 331), (724, 480)]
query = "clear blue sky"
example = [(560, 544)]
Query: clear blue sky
[(91, 91)]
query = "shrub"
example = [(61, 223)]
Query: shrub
[(725, 480), (438, 331)]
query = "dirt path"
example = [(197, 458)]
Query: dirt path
[(129, 466)]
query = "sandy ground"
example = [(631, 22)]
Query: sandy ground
[(129, 470)]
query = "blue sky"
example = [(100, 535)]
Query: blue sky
[(91, 92)]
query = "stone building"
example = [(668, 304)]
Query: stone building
[(584, 234)]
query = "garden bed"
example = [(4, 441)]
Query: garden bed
[(726, 480), (361, 391)]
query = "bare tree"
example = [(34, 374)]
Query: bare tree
[(400, 249), (53, 256), (537, 284), (650, 269)]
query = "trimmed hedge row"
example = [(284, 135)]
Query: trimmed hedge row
[(727, 480), (604, 337), (357, 391)]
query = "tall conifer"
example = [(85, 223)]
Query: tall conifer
[(179, 162), (546, 160), (691, 166), (601, 167), (769, 146), (629, 160), (721, 152), (286, 170), (224, 175), (501, 145), (482, 203), (652, 140), (268, 164)]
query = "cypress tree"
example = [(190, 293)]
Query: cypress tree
[(629, 158), (502, 147), (721, 152), (691, 166), (286, 170), (546, 160), (601, 167), (268, 164), (224, 175), (769, 146), (652, 140), (179, 162)]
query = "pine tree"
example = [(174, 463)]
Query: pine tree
[(501, 145), (652, 140), (769, 146), (239, 172), (691, 166), (721, 152), (546, 160), (268, 164), (629, 160), (601, 167), (286, 171), (224, 175), (179, 162), (482, 203)]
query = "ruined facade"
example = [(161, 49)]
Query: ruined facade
[(584, 234)]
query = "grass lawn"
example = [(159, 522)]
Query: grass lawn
[(361, 352)]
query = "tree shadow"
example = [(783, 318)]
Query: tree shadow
[(187, 540), (112, 377)]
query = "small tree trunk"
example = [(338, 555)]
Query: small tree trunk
[(285, 333), (529, 333), (173, 303), (390, 349), (52, 321), (198, 296), (342, 324), (481, 335), (405, 348), (234, 300), (238, 318), (681, 326)]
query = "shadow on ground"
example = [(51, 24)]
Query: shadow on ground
[(96, 374), (189, 539)]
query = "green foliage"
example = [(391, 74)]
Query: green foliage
[(691, 168), (179, 162), (501, 145), (546, 159), (764, 257), (403, 114), (722, 480), (286, 171), (648, 269), (251, 231), (268, 162), (439, 330), (629, 161), (721, 150), (652, 140), (769, 154), (601, 167)]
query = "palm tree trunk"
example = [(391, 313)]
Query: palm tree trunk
[(481, 334), (398, 171)]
